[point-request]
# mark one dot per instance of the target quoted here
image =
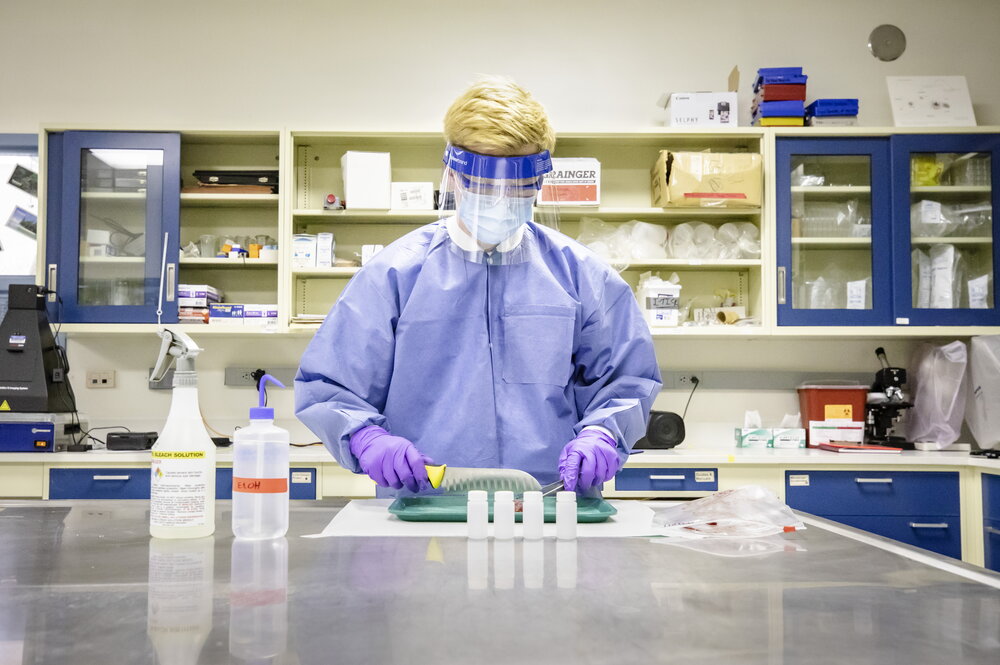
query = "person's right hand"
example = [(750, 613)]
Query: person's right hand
[(391, 461)]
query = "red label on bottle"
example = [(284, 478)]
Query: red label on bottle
[(260, 485)]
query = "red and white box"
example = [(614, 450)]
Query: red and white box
[(573, 181)]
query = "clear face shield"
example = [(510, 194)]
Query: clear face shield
[(493, 198)]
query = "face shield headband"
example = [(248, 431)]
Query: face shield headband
[(521, 172)]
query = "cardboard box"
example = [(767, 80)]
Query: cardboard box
[(702, 109), (367, 180), (225, 314), (707, 179), (325, 245), (573, 181), (825, 431), (412, 195), (199, 291), (260, 316), (753, 437), (788, 437), (304, 250)]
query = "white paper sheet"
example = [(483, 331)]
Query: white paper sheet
[(371, 517)]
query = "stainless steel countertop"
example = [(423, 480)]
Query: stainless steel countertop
[(82, 582)]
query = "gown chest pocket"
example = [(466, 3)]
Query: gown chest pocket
[(538, 344)]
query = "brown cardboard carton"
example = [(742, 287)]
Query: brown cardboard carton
[(706, 179)]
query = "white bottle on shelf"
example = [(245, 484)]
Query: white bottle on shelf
[(533, 515), (478, 515), (260, 474), (503, 515)]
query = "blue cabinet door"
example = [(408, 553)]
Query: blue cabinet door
[(937, 533), (945, 200), (113, 224), (834, 232)]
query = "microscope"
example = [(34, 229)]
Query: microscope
[(886, 402)]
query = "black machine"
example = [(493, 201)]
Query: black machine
[(886, 403), (33, 369), (665, 430)]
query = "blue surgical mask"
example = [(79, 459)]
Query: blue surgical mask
[(493, 219)]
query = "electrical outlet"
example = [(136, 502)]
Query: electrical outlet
[(243, 376), (687, 380), (101, 379)]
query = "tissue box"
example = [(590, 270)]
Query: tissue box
[(825, 431), (788, 437), (753, 437)]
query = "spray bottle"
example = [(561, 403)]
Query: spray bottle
[(260, 473), (182, 485)]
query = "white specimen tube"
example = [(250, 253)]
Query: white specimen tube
[(566, 515), (533, 515), (478, 515), (503, 515)]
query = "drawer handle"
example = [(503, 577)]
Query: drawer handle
[(667, 477), (928, 525), (992, 530), (882, 481), (111, 477)]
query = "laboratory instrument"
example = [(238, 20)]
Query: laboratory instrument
[(182, 481), (885, 405), (260, 473)]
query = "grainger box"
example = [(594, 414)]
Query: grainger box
[(574, 181)]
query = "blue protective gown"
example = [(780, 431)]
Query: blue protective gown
[(480, 364)]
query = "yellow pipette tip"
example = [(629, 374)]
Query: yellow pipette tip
[(435, 474)]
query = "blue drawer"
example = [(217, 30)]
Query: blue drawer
[(873, 492), (301, 485), (115, 483), (667, 480), (937, 533), (991, 496), (991, 544)]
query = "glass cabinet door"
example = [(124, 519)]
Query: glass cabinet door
[(944, 203), (120, 201), (833, 232)]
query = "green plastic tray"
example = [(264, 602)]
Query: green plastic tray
[(453, 509)]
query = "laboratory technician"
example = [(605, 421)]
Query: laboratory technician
[(485, 339)]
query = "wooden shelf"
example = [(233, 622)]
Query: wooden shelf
[(832, 189), (325, 272), (229, 200), (832, 243), (950, 241), (227, 264)]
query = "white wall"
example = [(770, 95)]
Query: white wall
[(362, 63), (397, 65)]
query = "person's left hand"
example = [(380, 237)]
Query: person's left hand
[(589, 460)]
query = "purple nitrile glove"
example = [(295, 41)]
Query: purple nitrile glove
[(391, 461), (589, 460)]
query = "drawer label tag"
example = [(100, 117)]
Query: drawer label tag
[(302, 477), (798, 480), (704, 476)]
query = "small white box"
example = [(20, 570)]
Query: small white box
[(98, 237), (225, 314), (412, 196), (303, 250), (367, 180), (825, 431), (325, 245), (701, 109), (573, 181), (199, 291), (752, 437), (788, 437)]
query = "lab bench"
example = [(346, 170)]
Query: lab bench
[(946, 502), (82, 582)]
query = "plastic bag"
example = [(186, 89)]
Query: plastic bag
[(751, 511), (734, 548), (937, 380), (983, 407)]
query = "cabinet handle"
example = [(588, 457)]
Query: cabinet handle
[(111, 477), (171, 279), (666, 477), (992, 530), (782, 296), (883, 481), (53, 281), (928, 525)]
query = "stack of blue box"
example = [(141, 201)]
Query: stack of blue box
[(779, 97), (832, 113)]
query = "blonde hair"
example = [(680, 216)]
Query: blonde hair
[(498, 114)]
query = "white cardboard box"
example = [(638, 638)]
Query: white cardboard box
[(573, 181), (324, 250), (825, 431), (702, 109), (367, 180)]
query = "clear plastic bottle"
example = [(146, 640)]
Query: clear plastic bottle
[(566, 515), (182, 483), (258, 600), (533, 515), (260, 474)]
